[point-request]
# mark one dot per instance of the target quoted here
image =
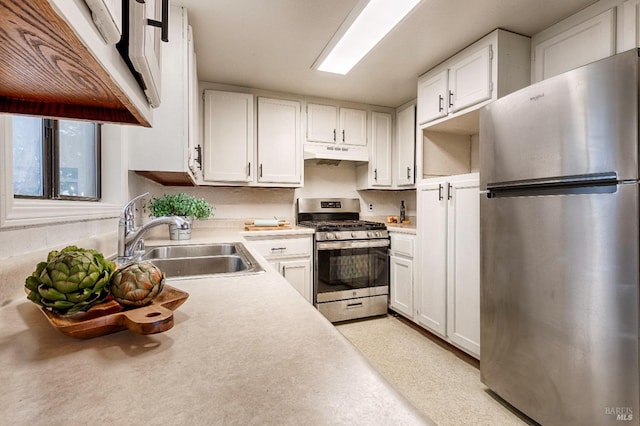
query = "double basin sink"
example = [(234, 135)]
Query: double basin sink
[(201, 260)]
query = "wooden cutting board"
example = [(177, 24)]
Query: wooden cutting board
[(249, 226), (110, 317)]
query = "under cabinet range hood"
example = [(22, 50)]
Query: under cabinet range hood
[(335, 152)]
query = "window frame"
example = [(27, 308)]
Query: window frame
[(21, 212), (51, 163)]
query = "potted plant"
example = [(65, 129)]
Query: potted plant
[(186, 206)]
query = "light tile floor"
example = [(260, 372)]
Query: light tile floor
[(439, 380)]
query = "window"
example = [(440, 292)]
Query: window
[(56, 159)]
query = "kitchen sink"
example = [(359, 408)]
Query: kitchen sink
[(201, 260), (199, 250)]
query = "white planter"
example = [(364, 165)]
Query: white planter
[(175, 233)]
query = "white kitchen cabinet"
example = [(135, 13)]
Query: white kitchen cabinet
[(490, 68), (470, 79), (291, 255), (228, 137), (631, 25), (401, 273), (405, 146), (332, 124), (585, 37), (433, 96), (166, 152), (392, 160), (381, 154), (279, 145), (234, 156), (447, 291)]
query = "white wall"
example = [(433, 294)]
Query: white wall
[(319, 181)]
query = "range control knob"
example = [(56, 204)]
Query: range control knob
[(354, 234), (331, 236)]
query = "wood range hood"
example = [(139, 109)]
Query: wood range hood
[(48, 71)]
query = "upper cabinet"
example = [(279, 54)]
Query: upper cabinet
[(336, 132), (234, 154), (587, 36), (175, 125), (228, 137), (72, 71), (494, 66), (279, 149), (405, 146)]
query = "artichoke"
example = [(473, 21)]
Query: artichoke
[(136, 284), (71, 280)]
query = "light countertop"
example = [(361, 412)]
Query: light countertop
[(244, 350)]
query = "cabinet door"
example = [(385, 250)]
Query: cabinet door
[(322, 123), (406, 146), (631, 25), (433, 100), (431, 290), (401, 285), (380, 167), (228, 137), (169, 137), (593, 39), (470, 80), (298, 273), (279, 147), (353, 127), (463, 265)]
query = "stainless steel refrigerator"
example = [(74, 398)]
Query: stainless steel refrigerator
[(559, 216)]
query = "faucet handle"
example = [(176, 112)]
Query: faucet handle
[(127, 210)]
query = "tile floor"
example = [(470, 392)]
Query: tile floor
[(438, 379)]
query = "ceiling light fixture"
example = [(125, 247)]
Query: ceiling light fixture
[(368, 23)]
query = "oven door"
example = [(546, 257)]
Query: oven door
[(348, 269)]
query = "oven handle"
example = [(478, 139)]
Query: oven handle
[(333, 245)]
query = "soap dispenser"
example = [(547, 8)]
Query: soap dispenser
[(402, 212)]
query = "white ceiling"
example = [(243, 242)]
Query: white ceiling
[(271, 44)]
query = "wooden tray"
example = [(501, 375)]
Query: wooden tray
[(109, 317), (249, 226)]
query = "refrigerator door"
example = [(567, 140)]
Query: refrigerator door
[(583, 122), (559, 304)]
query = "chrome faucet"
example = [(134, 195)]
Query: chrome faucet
[(130, 241)]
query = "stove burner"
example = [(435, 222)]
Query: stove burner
[(343, 225)]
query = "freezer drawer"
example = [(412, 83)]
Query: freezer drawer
[(583, 122), (559, 304)]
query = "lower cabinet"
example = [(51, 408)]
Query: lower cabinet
[(401, 273), (291, 255), (439, 287)]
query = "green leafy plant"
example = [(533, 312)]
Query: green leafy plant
[(180, 204)]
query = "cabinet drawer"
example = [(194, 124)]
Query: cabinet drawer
[(402, 244), (284, 247)]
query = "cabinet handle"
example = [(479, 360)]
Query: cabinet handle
[(199, 156), (449, 194), (164, 24), (342, 135), (260, 172), (281, 249), (440, 192), (375, 174), (249, 169), (284, 271), (450, 99), (408, 172), (440, 106), (334, 135)]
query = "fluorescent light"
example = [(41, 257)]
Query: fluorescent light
[(368, 23)]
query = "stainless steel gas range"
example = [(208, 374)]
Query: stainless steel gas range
[(351, 263)]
